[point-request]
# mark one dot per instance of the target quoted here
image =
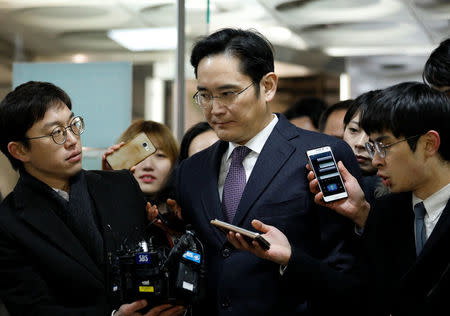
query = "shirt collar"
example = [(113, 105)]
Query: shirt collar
[(257, 142), (435, 202)]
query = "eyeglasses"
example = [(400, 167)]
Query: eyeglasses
[(380, 149), (205, 100), (59, 133)]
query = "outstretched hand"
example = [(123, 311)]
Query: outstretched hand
[(279, 251), (355, 206), (161, 310)]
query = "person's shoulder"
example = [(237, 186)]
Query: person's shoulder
[(392, 202), (204, 156), (317, 139), (8, 209), (102, 176)]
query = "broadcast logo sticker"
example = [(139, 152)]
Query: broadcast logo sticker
[(192, 256), (143, 258)]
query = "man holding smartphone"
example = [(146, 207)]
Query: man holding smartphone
[(406, 256), (60, 225), (235, 82)]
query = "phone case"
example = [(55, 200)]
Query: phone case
[(132, 153), (247, 234)]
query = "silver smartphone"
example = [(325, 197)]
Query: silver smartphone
[(327, 173), (132, 153), (247, 234)]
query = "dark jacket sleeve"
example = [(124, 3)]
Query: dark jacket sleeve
[(336, 279)]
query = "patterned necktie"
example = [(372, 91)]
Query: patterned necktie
[(421, 238), (234, 183)]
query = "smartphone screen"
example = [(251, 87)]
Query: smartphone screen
[(324, 166)]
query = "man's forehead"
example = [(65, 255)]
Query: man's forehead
[(59, 113)]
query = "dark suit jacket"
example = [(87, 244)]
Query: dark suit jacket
[(401, 283), (277, 193), (44, 270)]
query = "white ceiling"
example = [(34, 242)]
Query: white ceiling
[(381, 37)]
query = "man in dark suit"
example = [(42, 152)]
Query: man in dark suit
[(408, 255), (235, 82), (60, 224), (406, 260)]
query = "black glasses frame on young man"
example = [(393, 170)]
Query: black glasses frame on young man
[(205, 100), (59, 133), (380, 149)]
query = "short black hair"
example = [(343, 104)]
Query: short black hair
[(361, 102), (437, 68), (311, 107), (189, 135), (409, 109), (341, 105), (254, 51), (23, 107)]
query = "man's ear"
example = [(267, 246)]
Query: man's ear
[(269, 82), (432, 141), (18, 151)]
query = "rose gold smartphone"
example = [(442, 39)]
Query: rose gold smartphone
[(132, 153)]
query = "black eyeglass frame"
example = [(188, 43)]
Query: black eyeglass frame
[(72, 123), (196, 97), (380, 149)]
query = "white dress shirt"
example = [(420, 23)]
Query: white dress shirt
[(434, 206), (255, 144)]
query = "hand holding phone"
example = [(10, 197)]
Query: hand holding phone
[(247, 234), (132, 153), (324, 166)]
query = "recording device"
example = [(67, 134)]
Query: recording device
[(132, 153), (159, 274), (248, 235), (327, 173)]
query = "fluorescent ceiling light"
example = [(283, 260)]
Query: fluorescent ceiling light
[(143, 39), (382, 50)]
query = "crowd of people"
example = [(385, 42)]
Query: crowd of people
[(383, 250)]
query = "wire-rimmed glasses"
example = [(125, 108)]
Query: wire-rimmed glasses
[(205, 99), (59, 133), (380, 149)]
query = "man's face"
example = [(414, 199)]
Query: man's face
[(402, 169), (49, 162), (335, 124), (248, 114)]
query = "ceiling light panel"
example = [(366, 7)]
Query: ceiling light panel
[(145, 39), (304, 12)]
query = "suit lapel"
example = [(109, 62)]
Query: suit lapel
[(275, 153), (39, 214), (211, 206), (210, 197), (442, 227)]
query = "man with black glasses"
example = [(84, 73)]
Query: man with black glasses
[(407, 233), (60, 223), (257, 170)]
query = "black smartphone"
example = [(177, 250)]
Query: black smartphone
[(247, 234), (325, 168)]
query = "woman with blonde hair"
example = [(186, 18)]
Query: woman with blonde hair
[(153, 172)]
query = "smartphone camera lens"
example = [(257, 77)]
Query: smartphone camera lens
[(145, 145)]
